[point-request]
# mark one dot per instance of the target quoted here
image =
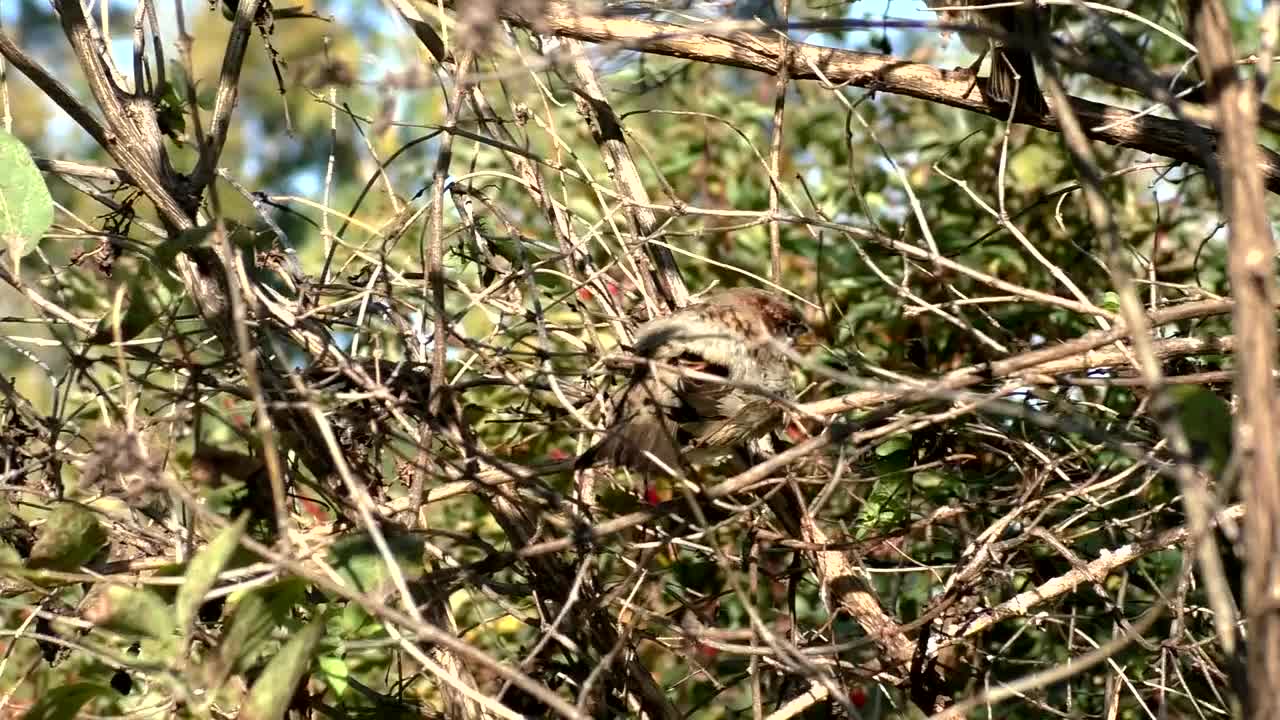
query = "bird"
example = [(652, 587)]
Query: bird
[(734, 341), (1013, 73)]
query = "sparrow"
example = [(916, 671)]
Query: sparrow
[(734, 341), (1012, 68)]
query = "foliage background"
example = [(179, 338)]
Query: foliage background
[(951, 507)]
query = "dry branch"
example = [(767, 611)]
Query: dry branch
[(1174, 139), (1074, 355), (1251, 266)]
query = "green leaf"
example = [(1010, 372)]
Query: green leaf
[(139, 312), (928, 479), (256, 614), (897, 443), (171, 112), (8, 555), (149, 293), (885, 507), (361, 567), (270, 695), (1111, 301), (64, 702), (167, 250), (876, 202), (1033, 164), (207, 98), (26, 210), (131, 611), (334, 670), (1206, 421), (204, 569), (69, 538), (250, 627), (355, 621)]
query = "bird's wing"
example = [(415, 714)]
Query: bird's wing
[(642, 424), (699, 398), (1013, 71), (664, 409)]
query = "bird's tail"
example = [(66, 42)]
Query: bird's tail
[(635, 444), (1013, 74)]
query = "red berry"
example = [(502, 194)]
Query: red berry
[(858, 697), (314, 509), (651, 496), (584, 294), (795, 433)]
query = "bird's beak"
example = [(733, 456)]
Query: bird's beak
[(806, 342)]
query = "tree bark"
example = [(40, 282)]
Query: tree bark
[(1250, 266)]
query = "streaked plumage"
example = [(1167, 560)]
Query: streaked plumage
[(1023, 22), (662, 411)]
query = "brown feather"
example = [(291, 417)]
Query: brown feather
[(729, 335), (1023, 23)]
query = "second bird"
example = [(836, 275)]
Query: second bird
[(1013, 72)]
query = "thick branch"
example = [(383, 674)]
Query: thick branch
[(606, 130), (133, 137), (228, 91), (883, 73), (1251, 264), (52, 87)]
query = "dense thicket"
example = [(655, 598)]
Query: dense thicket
[(291, 388)]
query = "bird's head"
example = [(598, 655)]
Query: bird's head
[(783, 320)]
